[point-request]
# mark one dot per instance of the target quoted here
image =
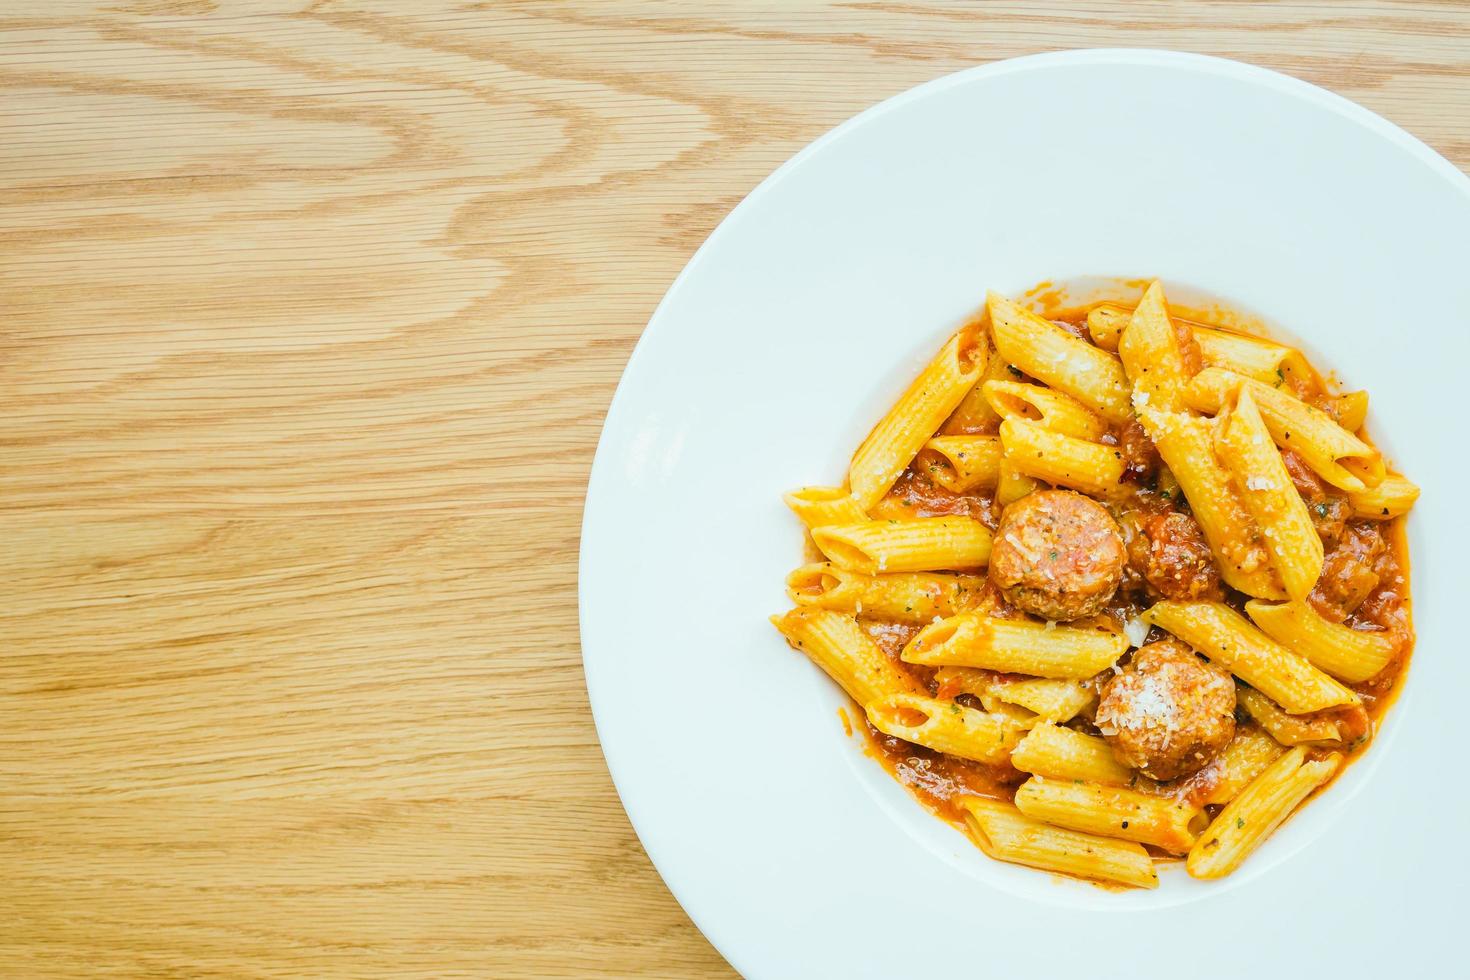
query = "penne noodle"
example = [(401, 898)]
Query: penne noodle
[(1284, 728), (1060, 753), (1245, 758), (1260, 808), (1391, 498), (1112, 811), (818, 506), (963, 463), (982, 684), (945, 726), (909, 597), (838, 645), (1005, 834), (1020, 646), (1243, 353), (1252, 357), (1011, 484), (1246, 449), (1050, 409), (1059, 459), (1348, 410), (1335, 454), (1186, 444), (1069, 364), (1048, 698), (1152, 356), (1224, 636), (1345, 653), (920, 545), (1106, 323), (919, 412), (973, 415)]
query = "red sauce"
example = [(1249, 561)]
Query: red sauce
[(938, 780)]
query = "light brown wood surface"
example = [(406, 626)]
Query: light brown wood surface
[(309, 315)]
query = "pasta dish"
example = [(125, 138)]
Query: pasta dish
[(1111, 587)]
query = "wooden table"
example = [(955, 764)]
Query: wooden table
[(311, 312)]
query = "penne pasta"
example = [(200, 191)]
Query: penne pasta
[(1054, 700), (1254, 357), (1019, 646), (838, 645), (1152, 356), (1112, 811), (921, 545), (1005, 834), (819, 506), (1345, 653), (1011, 484), (981, 684), (1105, 324), (1143, 463), (973, 415), (1225, 636), (1059, 459), (1348, 410), (1246, 449), (1284, 728), (1069, 364), (1335, 454), (963, 463), (945, 726), (1049, 409), (908, 597), (1245, 758), (927, 403), (1054, 752), (1391, 498), (1186, 444), (1260, 808)]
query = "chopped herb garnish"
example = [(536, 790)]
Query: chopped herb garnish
[(1239, 822), (1280, 378), (1053, 556), (1322, 509)]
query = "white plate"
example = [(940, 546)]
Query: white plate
[(794, 327)]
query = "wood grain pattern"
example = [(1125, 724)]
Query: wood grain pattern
[(311, 312)]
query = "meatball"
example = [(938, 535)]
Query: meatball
[(1169, 712), (1057, 555), (1349, 573), (1140, 459), (1179, 563)]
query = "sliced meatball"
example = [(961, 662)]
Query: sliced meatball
[(1140, 458), (1169, 712), (1179, 563), (1057, 555), (1350, 572)]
